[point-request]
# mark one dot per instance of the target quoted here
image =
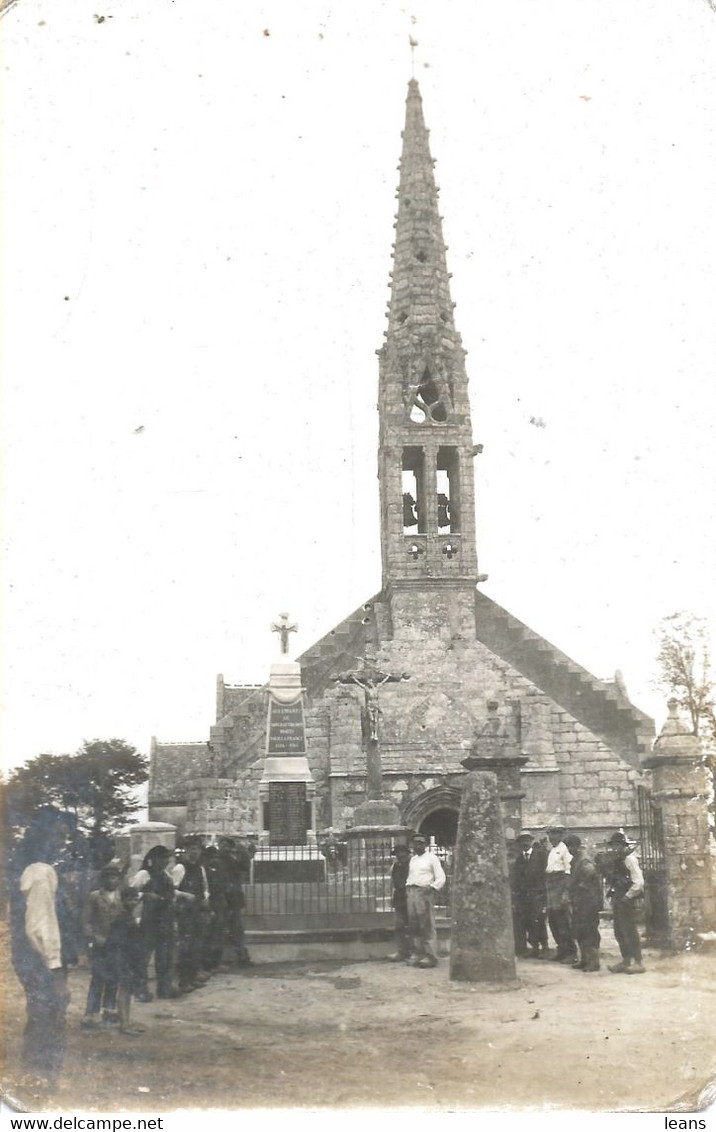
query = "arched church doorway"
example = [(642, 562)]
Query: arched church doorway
[(442, 825)]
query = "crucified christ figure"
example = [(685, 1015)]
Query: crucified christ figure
[(370, 679)]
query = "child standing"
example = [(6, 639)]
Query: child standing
[(100, 913), (126, 943)]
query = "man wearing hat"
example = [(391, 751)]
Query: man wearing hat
[(585, 898), (425, 878), (529, 897), (626, 882), (192, 901), (557, 880)]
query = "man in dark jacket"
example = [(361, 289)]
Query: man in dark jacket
[(626, 882), (399, 900), (527, 880), (192, 897), (233, 872), (585, 899)]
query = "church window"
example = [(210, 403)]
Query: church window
[(413, 491), (448, 494), (428, 401), (421, 257)]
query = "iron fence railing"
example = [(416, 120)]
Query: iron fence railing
[(335, 879), (653, 862)]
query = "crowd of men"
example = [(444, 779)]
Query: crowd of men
[(554, 883), (182, 909), (559, 885)]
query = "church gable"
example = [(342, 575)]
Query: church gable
[(599, 707)]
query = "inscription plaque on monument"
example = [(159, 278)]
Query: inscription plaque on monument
[(287, 813), (286, 734)]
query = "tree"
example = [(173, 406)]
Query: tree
[(686, 673), (97, 785)]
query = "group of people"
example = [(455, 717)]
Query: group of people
[(182, 912), (560, 885)]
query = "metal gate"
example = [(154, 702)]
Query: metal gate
[(653, 863)]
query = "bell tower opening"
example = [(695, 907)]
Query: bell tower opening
[(413, 491), (448, 490)]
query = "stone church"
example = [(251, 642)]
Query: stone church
[(460, 651)]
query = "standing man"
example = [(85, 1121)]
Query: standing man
[(585, 898), (192, 900), (626, 882), (399, 900), (425, 878), (39, 943), (557, 880), (529, 897), (232, 872)]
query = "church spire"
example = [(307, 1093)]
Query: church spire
[(426, 449), (420, 292)]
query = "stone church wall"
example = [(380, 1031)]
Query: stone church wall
[(427, 724)]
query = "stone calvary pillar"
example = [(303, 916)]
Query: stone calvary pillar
[(680, 789)]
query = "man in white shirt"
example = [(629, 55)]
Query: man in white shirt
[(557, 880), (37, 950), (425, 877)]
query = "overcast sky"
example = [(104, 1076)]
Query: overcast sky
[(198, 220)]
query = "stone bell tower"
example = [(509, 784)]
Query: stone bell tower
[(426, 449)]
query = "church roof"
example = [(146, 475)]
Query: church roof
[(598, 705), (601, 707), (171, 766)]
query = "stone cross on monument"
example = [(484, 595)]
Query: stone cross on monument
[(371, 679), (283, 627)]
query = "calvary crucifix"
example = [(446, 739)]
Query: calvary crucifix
[(371, 679), (283, 627)]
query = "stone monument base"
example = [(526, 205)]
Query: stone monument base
[(287, 864)]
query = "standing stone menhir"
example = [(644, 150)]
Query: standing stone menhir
[(482, 945)]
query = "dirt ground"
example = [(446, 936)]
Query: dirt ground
[(319, 1035)]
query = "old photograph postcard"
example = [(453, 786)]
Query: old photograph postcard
[(360, 529)]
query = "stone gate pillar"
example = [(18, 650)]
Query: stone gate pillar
[(680, 787)]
